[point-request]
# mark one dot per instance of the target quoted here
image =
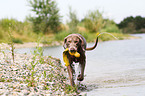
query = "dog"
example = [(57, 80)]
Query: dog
[(76, 43)]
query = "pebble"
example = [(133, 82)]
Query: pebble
[(14, 76)]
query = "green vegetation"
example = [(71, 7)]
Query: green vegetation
[(11, 43), (73, 23), (47, 19), (21, 31), (90, 26), (31, 80), (133, 25), (94, 21), (51, 29)]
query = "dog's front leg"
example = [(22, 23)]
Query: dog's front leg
[(82, 66), (70, 72)]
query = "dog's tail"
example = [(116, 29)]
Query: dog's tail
[(91, 48)]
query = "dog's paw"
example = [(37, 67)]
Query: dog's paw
[(80, 78)]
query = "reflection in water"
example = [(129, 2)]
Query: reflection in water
[(114, 68)]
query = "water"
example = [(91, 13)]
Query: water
[(108, 34), (114, 68)]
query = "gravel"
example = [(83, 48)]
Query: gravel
[(15, 77)]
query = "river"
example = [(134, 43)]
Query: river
[(114, 68)]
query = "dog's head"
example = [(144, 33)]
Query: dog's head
[(73, 42)]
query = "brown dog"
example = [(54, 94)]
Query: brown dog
[(76, 42)]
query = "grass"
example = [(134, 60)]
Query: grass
[(113, 36), (48, 39), (23, 32), (91, 37)]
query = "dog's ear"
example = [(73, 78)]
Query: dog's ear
[(82, 42), (64, 43)]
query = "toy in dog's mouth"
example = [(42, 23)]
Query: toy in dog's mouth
[(65, 58)]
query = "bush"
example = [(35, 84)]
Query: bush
[(113, 36), (112, 29), (94, 21), (6, 23), (73, 21), (61, 35), (106, 37), (11, 23), (88, 36), (1, 34), (21, 30), (17, 40)]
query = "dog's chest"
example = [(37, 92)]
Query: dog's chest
[(74, 59)]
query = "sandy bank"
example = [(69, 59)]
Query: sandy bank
[(29, 45)]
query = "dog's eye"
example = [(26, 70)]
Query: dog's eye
[(76, 41), (69, 41)]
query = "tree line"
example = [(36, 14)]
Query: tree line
[(48, 20), (132, 25)]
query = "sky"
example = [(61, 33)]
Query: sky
[(116, 10)]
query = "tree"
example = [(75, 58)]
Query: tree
[(94, 21), (125, 22), (133, 24), (47, 17), (73, 21), (139, 22)]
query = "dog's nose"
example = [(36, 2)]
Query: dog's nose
[(72, 50)]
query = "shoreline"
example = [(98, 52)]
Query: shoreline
[(4, 46)]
